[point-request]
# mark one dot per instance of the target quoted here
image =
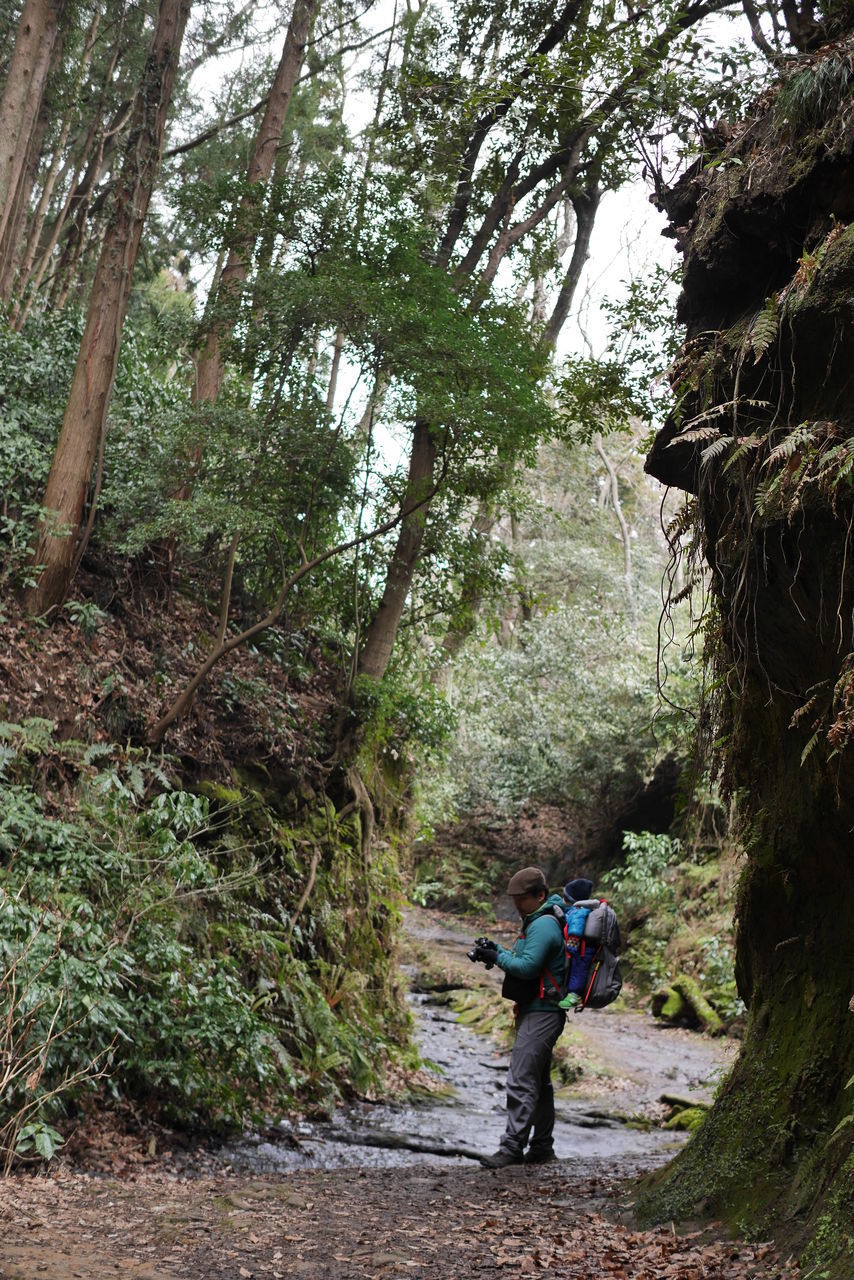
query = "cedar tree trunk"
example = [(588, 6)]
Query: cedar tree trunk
[(91, 387), (23, 93), (210, 367)]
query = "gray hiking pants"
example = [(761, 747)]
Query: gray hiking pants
[(530, 1097)]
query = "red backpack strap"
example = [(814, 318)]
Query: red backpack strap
[(547, 974)]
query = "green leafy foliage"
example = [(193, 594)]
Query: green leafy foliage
[(456, 883), (555, 690), (675, 900), (147, 939), (642, 881), (110, 958), (403, 710)]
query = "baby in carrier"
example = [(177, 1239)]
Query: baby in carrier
[(580, 953)]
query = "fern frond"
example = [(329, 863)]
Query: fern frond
[(802, 434), (716, 449), (685, 592), (690, 437), (744, 444), (682, 521), (803, 711), (726, 409), (768, 493), (765, 329)]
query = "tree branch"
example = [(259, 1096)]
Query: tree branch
[(185, 697), (212, 132), (227, 580), (488, 120), (571, 145), (757, 33), (585, 206), (624, 528)]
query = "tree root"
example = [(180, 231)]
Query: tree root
[(366, 809)]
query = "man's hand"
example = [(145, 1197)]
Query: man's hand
[(487, 953)]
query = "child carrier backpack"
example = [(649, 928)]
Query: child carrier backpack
[(591, 936), (602, 933)]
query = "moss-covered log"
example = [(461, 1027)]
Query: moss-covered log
[(683, 1001), (764, 439)]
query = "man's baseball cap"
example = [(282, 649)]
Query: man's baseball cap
[(528, 880)]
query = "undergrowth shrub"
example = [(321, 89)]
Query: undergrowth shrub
[(150, 946), (456, 883), (643, 878), (676, 901)]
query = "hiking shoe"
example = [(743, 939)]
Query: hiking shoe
[(540, 1157), (500, 1159)]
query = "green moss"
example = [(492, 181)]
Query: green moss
[(690, 992), (484, 1011), (830, 1252), (220, 794), (824, 276), (690, 1119), (672, 1005)]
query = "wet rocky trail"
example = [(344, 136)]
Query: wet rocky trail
[(624, 1062), (369, 1194)]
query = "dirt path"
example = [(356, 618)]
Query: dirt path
[(435, 1224), (307, 1205)]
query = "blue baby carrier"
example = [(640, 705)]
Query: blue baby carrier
[(591, 935), (579, 953)]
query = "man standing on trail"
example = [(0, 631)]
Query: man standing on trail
[(534, 975)]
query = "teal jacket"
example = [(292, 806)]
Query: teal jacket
[(540, 946)]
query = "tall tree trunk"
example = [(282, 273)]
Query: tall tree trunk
[(625, 533), (37, 221), (22, 94), (381, 634), (75, 221), (94, 375), (12, 242), (585, 205), (210, 366)]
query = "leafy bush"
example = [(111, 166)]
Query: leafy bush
[(149, 944), (455, 884), (100, 923), (675, 901), (404, 708), (643, 881)]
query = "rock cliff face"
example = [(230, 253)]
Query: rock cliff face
[(762, 436)]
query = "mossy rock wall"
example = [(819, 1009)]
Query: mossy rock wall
[(763, 436), (324, 955)]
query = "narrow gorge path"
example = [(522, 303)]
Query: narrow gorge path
[(339, 1200), (624, 1062)]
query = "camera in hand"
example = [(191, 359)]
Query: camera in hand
[(478, 943)]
